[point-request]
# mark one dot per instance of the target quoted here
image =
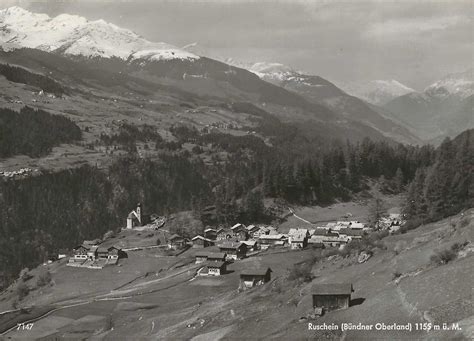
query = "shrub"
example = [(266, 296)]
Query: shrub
[(396, 275), (456, 247), (301, 272), (22, 290), (443, 256), (44, 278)]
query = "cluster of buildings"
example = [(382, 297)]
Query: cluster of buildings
[(20, 172), (91, 254)]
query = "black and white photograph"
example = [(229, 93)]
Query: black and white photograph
[(213, 170)]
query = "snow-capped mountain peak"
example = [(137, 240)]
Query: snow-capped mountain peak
[(459, 84), (76, 36), (377, 91)]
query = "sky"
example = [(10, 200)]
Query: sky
[(413, 41)]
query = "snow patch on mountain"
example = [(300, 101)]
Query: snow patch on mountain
[(458, 84), (377, 92), (76, 36)]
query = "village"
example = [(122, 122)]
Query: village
[(215, 249)]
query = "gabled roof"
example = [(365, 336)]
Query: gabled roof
[(175, 236), (249, 242), (93, 248), (201, 254), (209, 230), (219, 230), (261, 271), (102, 249), (118, 248), (297, 231), (201, 237), (351, 232), (320, 232), (132, 215), (332, 289), (87, 247), (236, 226)]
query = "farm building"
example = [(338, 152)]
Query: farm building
[(332, 296), (233, 250), (216, 268), (239, 232), (115, 252), (298, 232), (200, 257), (350, 233), (200, 242), (251, 229), (253, 277), (102, 252), (176, 242)]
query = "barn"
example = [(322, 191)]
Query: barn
[(332, 296)]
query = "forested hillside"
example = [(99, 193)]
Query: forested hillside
[(445, 187), (34, 132)]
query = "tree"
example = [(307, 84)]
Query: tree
[(377, 211)]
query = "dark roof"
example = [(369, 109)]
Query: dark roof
[(351, 232), (115, 247), (201, 254), (320, 232), (257, 271), (87, 247), (216, 255), (102, 249), (332, 289), (215, 264)]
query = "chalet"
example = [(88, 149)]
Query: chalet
[(332, 296), (115, 252), (80, 253), (137, 218), (223, 234), (102, 252), (210, 233), (253, 277), (216, 268), (233, 250), (92, 252), (251, 229), (252, 245), (201, 257), (176, 242), (298, 242), (200, 242), (260, 232), (239, 232), (272, 240)]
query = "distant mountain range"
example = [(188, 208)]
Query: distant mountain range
[(108, 54), (444, 108), (378, 92)]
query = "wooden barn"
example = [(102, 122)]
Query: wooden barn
[(253, 277), (332, 296), (234, 250), (216, 268), (200, 242)]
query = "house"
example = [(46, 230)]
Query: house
[(115, 253), (102, 252), (216, 268), (252, 245), (200, 242), (262, 230), (253, 277), (201, 257), (233, 250), (239, 232), (251, 229), (223, 234), (80, 253), (356, 225), (210, 233), (271, 240), (137, 218), (176, 242), (298, 242), (92, 252), (332, 296)]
